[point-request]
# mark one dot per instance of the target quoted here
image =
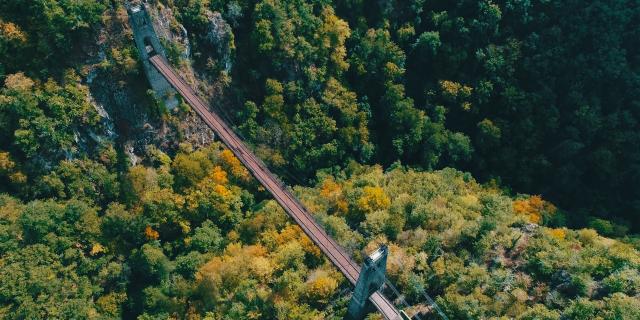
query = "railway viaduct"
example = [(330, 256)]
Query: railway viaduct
[(161, 75)]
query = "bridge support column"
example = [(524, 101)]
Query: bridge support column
[(148, 45), (370, 280)]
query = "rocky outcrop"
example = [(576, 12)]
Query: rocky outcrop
[(148, 44), (168, 28), (220, 38), (119, 88)]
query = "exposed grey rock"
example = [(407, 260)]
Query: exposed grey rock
[(148, 44), (168, 28), (233, 13), (220, 38)]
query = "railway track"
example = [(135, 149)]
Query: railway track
[(330, 248)]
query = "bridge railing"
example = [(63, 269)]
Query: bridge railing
[(336, 253)]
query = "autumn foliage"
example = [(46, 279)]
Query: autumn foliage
[(534, 208)]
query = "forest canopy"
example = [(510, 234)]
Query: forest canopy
[(171, 244), (493, 145), (539, 96)]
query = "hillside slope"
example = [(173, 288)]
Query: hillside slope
[(112, 206), (168, 239)]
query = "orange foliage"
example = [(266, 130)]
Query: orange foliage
[(342, 206), (309, 246), (534, 208), (293, 232), (262, 267), (373, 199), (19, 82), (222, 190), (213, 183), (11, 31), (455, 89), (8, 167), (329, 188), (151, 234), (235, 166), (184, 226), (321, 288), (233, 236), (558, 233), (6, 164), (235, 265), (289, 233), (96, 248), (18, 178), (218, 175), (332, 191)]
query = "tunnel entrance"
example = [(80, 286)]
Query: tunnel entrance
[(148, 47)]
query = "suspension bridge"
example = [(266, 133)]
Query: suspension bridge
[(367, 279), (336, 254)]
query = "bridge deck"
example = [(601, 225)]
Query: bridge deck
[(280, 192)]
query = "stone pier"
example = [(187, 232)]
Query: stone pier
[(149, 45)]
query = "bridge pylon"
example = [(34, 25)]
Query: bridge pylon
[(370, 280), (149, 45)]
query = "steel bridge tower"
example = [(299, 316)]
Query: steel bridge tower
[(148, 45), (371, 279)]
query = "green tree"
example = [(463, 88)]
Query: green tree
[(55, 30), (80, 179), (207, 238), (43, 119), (36, 284)]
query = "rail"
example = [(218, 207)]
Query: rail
[(330, 248)]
